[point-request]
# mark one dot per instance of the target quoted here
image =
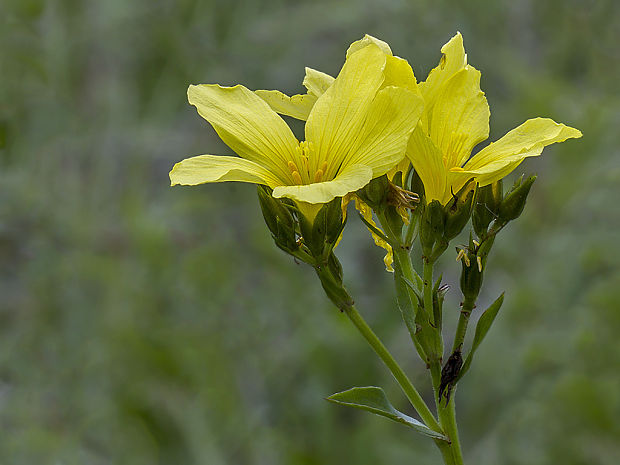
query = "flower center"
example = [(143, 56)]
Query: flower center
[(303, 169)]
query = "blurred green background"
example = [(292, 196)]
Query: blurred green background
[(143, 324)]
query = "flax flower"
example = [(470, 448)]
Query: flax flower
[(456, 118), (356, 130)]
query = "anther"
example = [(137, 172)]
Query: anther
[(298, 180), (479, 260), (318, 175), (292, 167)]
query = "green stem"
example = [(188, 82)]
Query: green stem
[(406, 301), (428, 306), (452, 454), (410, 391), (461, 329)]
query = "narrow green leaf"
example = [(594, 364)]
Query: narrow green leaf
[(482, 328), (374, 400)]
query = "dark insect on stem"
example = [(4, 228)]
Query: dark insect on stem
[(449, 375)]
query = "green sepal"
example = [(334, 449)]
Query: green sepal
[(375, 193), (373, 399), (482, 328), (279, 220), (431, 226), (486, 208), (458, 210), (334, 221), (513, 204), (471, 276)]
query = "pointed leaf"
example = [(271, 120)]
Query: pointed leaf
[(374, 400), (482, 328)]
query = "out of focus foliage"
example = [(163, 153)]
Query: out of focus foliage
[(142, 324)]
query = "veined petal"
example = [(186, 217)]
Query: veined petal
[(317, 82), (338, 115), (247, 125), (382, 140), (427, 160), (452, 60), (527, 140), (398, 73), (365, 41), (460, 117), (349, 180), (211, 168), (297, 106)]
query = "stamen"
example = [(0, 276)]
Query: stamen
[(466, 258), (296, 177), (460, 255), (292, 167), (318, 175), (479, 260)]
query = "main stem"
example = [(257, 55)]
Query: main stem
[(445, 413), (410, 391)]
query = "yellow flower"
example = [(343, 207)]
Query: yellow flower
[(356, 130), (456, 118), (397, 72)]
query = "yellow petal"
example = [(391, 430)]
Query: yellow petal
[(338, 115), (317, 82), (382, 140), (460, 117), (368, 40), (452, 60), (527, 140), (398, 73), (427, 160), (211, 168), (247, 125), (297, 106), (351, 179)]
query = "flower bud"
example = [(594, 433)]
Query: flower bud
[(458, 210), (514, 202), (472, 271), (375, 193), (486, 207), (431, 225), (334, 221), (279, 220)]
